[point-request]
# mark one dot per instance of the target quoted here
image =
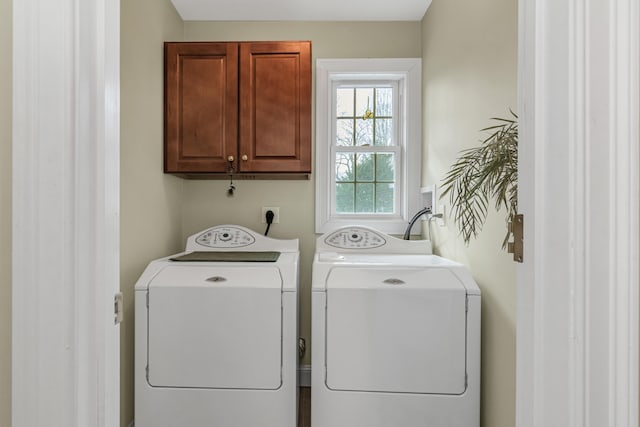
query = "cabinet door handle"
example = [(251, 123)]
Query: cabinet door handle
[(230, 159), (244, 157)]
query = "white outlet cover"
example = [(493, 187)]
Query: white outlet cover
[(276, 216), (428, 197)]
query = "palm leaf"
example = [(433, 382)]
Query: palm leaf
[(484, 173)]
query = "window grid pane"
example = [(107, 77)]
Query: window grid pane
[(364, 116), (365, 198), (365, 182), (344, 132), (384, 101), (345, 197), (385, 197), (344, 102), (364, 100), (383, 132), (364, 132), (344, 167)]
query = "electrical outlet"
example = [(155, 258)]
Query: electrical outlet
[(276, 215)]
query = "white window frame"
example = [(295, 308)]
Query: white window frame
[(396, 149), (407, 72)]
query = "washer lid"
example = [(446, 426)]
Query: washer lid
[(396, 330), (215, 327)]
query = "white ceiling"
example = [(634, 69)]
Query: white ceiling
[(301, 10)]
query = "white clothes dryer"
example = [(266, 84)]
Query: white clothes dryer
[(395, 334), (216, 332)]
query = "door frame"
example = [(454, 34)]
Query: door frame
[(66, 112), (577, 303)]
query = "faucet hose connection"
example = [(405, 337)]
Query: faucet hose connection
[(424, 211)]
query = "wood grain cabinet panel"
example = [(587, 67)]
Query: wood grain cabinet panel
[(201, 106), (248, 101), (275, 108)]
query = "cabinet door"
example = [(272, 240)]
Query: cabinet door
[(275, 107), (201, 106)]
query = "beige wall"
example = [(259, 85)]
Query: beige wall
[(205, 202), (5, 211), (150, 200), (329, 39), (470, 75)]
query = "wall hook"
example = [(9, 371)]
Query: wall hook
[(232, 188)]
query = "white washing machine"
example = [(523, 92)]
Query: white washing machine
[(216, 333), (395, 333)]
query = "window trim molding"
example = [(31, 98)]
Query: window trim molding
[(410, 71)]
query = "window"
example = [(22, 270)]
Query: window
[(368, 140), (365, 152)]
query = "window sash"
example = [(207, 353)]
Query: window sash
[(395, 148), (396, 112), (398, 181)]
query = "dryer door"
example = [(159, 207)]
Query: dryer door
[(215, 327), (395, 330)]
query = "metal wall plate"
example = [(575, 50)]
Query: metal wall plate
[(517, 246)]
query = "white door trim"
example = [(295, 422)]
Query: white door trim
[(577, 351), (65, 346)]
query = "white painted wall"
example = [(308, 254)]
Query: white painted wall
[(5, 210), (579, 171), (65, 179), (470, 75)]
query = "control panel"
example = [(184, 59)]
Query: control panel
[(225, 237), (355, 238)]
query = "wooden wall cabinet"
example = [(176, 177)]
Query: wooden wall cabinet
[(245, 105)]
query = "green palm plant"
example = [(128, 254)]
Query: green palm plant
[(482, 174)]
